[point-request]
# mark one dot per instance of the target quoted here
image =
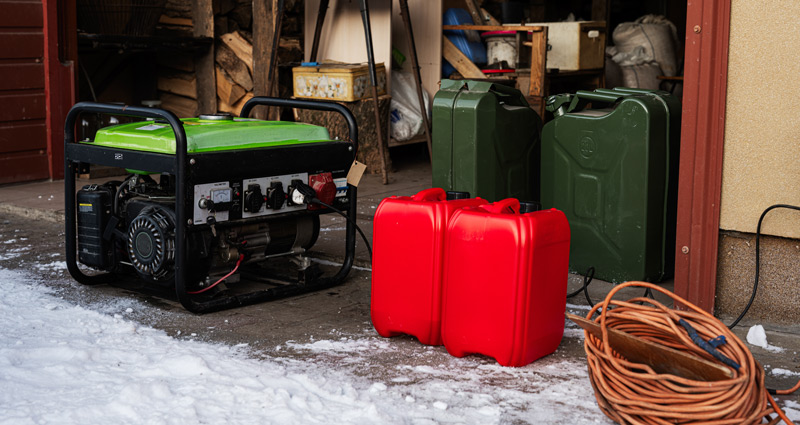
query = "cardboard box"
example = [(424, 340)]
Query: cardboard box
[(337, 81)]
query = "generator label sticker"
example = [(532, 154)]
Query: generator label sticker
[(341, 186), (151, 127), (355, 173), (85, 208)]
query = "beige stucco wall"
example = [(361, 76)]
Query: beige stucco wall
[(762, 124)]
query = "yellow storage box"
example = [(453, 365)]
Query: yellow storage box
[(337, 81)]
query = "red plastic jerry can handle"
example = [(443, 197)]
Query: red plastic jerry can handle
[(432, 194), (505, 206)]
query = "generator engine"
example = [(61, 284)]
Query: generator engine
[(211, 203), (131, 225)]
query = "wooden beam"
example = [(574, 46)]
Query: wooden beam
[(538, 63), (459, 60), (493, 28), (263, 28), (203, 19), (491, 20)]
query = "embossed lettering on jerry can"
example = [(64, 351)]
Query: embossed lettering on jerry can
[(408, 251), (485, 141), (610, 162), (505, 282)]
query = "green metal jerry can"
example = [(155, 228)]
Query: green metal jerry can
[(485, 141), (610, 163)]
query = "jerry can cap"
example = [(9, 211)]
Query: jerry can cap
[(453, 195), (529, 207)]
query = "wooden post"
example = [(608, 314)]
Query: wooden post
[(538, 83), (263, 34), (203, 20), (538, 62)]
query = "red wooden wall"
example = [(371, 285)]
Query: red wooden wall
[(23, 135)]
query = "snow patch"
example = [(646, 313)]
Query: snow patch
[(64, 364), (783, 372), (758, 337)]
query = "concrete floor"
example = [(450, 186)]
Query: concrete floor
[(35, 210)]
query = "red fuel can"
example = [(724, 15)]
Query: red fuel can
[(505, 282), (407, 262)]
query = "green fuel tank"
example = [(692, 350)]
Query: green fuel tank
[(209, 133), (485, 141), (610, 163)]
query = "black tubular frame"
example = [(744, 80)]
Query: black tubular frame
[(75, 153)]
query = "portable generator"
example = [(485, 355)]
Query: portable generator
[(211, 203)]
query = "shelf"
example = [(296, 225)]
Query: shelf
[(133, 43)]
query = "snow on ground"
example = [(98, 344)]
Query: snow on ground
[(64, 364), (757, 336)]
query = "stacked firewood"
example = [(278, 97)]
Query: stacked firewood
[(233, 55)]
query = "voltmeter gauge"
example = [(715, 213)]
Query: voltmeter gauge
[(221, 195)]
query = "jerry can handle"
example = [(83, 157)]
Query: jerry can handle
[(505, 206), (594, 96), (583, 98), (432, 194), (509, 95)]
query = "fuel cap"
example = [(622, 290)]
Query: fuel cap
[(531, 206), (453, 195)]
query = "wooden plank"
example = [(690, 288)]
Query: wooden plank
[(262, 45), (181, 106), (227, 90), (240, 47), (660, 358), (21, 76), (459, 60), (203, 19), (24, 166), (180, 22), (234, 67), (490, 20), (538, 63), (22, 136), (474, 12), (178, 83), (21, 45), (23, 106), (20, 14), (493, 28)]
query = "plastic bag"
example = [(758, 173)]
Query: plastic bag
[(656, 35), (405, 113)]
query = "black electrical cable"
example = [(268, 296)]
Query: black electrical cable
[(587, 279), (758, 256), (310, 197), (350, 219)]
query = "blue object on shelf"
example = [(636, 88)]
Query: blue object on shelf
[(309, 64), (474, 50)]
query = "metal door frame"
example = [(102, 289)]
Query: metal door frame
[(702, 141)]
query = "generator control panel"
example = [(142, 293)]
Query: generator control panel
[(255, 197)]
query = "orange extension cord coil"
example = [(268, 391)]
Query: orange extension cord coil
[(631, 393)]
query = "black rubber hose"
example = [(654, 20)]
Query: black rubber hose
[(758, 257)]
